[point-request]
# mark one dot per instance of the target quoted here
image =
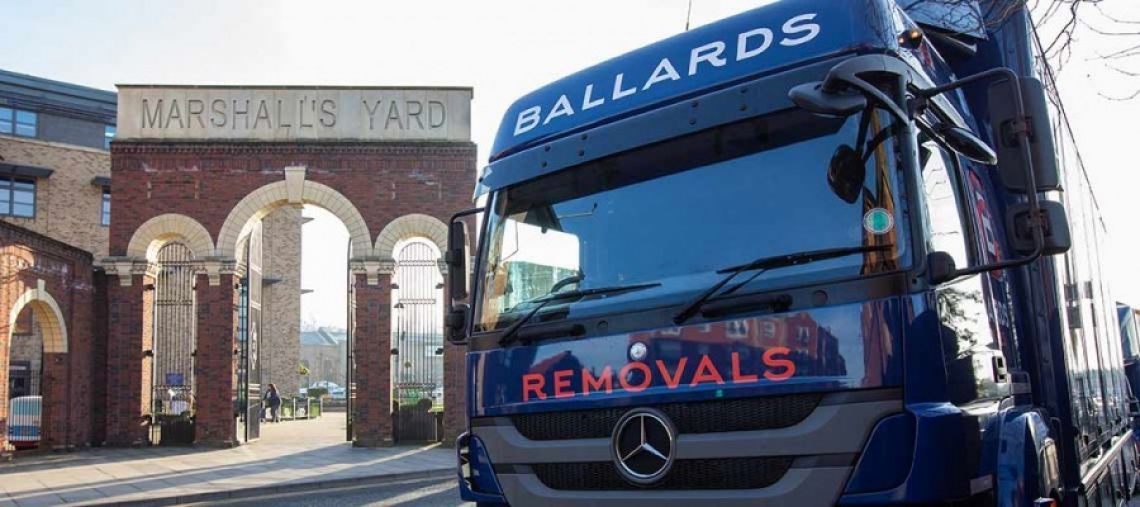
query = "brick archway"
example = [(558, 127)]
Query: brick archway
[(155, 233), (267, 198), (51, 319), (56, 284), (389, 163), (411, 226)]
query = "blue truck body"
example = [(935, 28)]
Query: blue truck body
[(868, 384)]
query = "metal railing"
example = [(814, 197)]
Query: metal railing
[(293, 409), (24, 417)]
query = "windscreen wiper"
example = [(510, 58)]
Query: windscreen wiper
[(510, 332), (765, 263)]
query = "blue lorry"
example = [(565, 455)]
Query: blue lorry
[(821, 252)]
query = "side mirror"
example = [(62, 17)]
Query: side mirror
[(1007, 130), (846, 174), (941, 267), (965, 143), (456, 323), (456, 258), (1056, 228)]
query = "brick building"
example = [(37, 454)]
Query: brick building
[(54, 202), (55, 167), (55, 286), (324, 352)]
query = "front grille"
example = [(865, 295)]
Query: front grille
[(744, 414), (690, 474)]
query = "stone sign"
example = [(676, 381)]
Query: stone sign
[(293, 113)]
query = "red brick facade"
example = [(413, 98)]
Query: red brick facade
[(205, 181), (56, 282)]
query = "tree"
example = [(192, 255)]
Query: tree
[(1106, 25), (1111, 27)]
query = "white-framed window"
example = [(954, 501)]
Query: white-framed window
[(108, 135), (105, 216), (17, 197), (17, 121)]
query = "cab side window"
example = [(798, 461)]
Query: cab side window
[(944, 215)]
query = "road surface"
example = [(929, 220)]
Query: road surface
[(412, 493)]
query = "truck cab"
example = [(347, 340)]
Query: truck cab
[(799, 256)]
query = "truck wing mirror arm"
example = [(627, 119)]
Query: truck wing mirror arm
[(833, 96), (1027, 164)]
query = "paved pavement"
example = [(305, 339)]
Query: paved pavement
[(290, 454), (427, 492)]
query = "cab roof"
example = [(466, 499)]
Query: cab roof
[(767, 39)]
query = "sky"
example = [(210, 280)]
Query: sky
[(502, 48)]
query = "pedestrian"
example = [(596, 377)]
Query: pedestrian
[(273, 402)]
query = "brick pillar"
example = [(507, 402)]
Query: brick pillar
[(128, 369), (7, 298), (372, 350), (214, 373), (97, 362), (56, 403)]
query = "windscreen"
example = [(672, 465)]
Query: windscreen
[(676, 212)]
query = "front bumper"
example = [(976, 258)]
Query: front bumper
[(816, 454)]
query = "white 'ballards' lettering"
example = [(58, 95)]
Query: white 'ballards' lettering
[(795, 31)]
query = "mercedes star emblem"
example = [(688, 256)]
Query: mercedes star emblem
[(638, 351), (644, 443)]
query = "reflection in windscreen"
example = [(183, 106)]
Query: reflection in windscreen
[(534, 259), (675, 212)]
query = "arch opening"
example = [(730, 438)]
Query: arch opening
[(175, 341), (417, 339), (36, 329), (292, 332)]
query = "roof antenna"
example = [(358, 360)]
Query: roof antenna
[(688, 15)]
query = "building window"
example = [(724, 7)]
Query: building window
[(17, 197), (19, 122), (105, 220), (108, 135)]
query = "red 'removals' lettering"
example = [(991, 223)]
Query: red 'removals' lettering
[(562, 384), (605, 380), (533, 382), (771, 361), (646, 375), (671, 382), (706, 372), (738, 377)]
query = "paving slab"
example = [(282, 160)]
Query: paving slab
[(293, 455)]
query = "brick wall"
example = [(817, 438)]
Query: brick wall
[(204, 181), (281, 315), (68, 206), (29, 261)]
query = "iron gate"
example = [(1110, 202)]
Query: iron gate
[(172, 365), (417, 356), (350, 361), (249, 403)]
